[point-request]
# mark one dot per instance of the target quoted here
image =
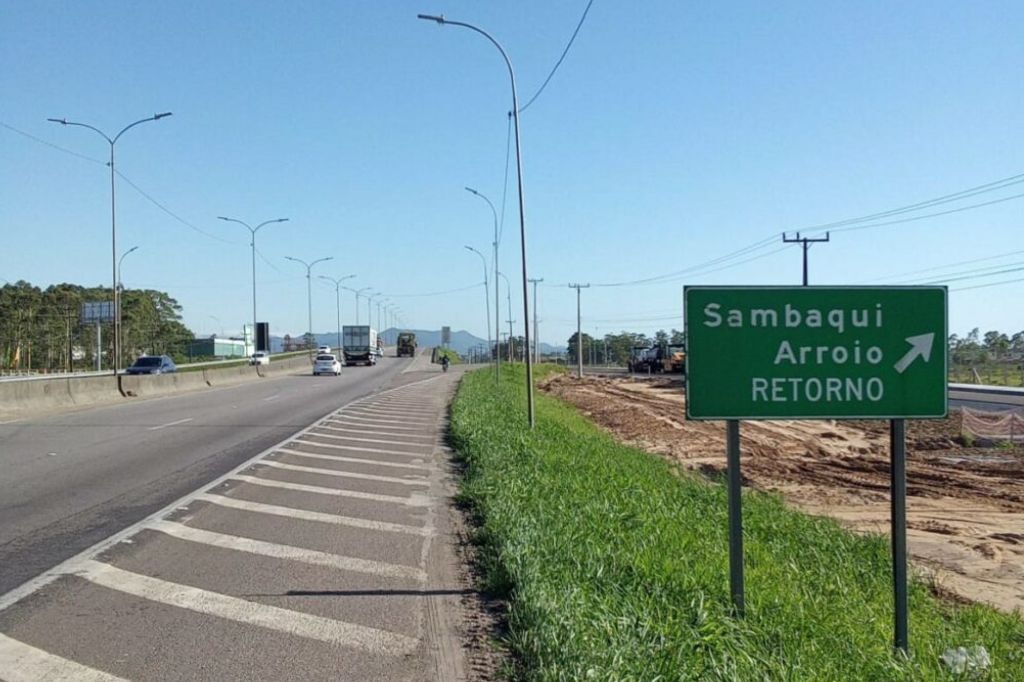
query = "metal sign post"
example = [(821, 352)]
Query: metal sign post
[(818, 353), (732, 448), (898, 519)]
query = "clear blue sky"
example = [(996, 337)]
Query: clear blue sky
[(674, 133)]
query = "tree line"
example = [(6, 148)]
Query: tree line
[(42, 329)]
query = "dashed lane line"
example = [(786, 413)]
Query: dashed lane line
[(419, 480), (164, 426), (288, 552), (414, 500), (20, 662), (306, 515), (244, 611), (349, 460)]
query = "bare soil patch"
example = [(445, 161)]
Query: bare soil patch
[(965, 508)]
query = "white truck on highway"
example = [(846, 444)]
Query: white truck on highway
[(359, 344)]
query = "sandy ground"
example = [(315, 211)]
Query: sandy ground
[(965, 507)]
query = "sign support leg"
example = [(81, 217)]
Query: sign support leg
[(99, 346), (897, 438), (732, 446)]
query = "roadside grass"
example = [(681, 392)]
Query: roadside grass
[(615, 565)]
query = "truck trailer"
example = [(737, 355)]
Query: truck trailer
[(360, 344), (406, 344)]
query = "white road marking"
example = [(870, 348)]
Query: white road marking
[(288, 552), (10, 421), (20, 662), (377, 413), (419, 480), (345, 418), (164, 426), (272, 397), (12, 597), (350, 460), (306, 515), (377, 433), (244, 611), (429, 448), (364, 448), (421, 411), (414, 500)]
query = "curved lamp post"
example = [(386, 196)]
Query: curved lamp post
[(337, 295), (357, 293), (113, 217), (522, 213), (309, 285), (487, 296), (252, 243), (497, 305), (119, 285)]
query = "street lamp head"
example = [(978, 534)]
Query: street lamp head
[(157, 117), (470, 189), (62, 121), (281, 220), (430, 17)]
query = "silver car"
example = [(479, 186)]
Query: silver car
[(326, 364)]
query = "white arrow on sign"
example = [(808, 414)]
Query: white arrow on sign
[(920, 346)]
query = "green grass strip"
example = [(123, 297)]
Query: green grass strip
[(616, 565)]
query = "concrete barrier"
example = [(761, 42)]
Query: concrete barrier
[(21, 397)]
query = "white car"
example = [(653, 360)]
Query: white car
[(325, 350), (326, 363), (260, 357)]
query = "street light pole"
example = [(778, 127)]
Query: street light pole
[(508, 298), (497, 303), (337, 295), (487, 298), (357, 293), (252, 244), (522, 210), (536, 336), (309, 289), (118, 340), (113, 217)]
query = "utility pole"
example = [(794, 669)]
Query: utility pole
[(806, 242), (579, 330), (536, 338)]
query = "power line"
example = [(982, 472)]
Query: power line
[(945, 277), (990, 284), (171, 213), (50, 144), (559, 62), (947, 265), (121, 175), (930, 215), (946, 198)]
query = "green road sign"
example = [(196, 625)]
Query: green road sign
[(815, 352)]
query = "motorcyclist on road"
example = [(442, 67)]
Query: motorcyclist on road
[(444, 362)]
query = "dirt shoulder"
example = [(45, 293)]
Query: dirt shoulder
[(965, 508)]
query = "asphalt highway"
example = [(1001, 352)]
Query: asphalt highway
[(74, 478)]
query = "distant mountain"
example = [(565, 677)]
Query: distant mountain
[(461, 341)]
